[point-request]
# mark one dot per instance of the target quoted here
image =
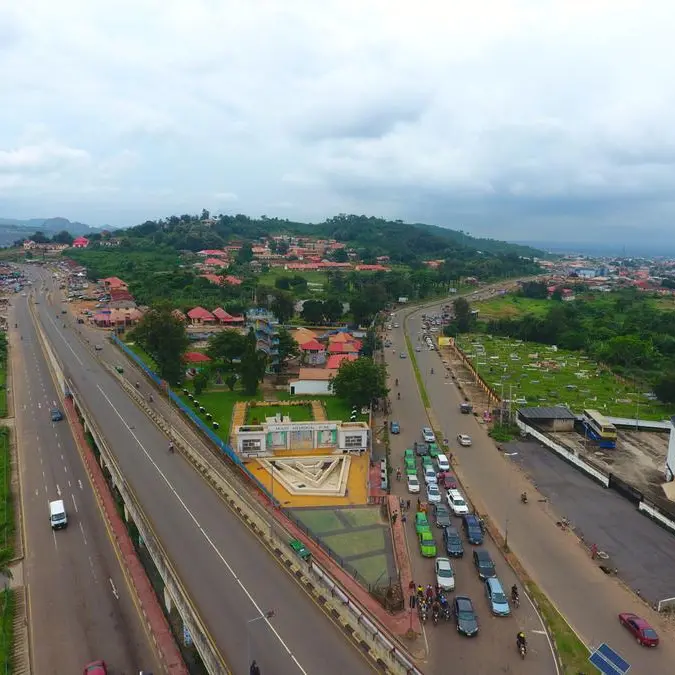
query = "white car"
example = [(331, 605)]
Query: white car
[(428, 435), (413, 485), (457, 503), (433, 493), (445, 576), (464, 439), (430, 475)]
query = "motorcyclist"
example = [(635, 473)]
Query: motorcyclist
[(170, 446), (420, 592), (397, 381), (521, 640), (436, 609), (151, 398), (445, 607), (523, 497), (398, 473), (514, 593), (430, 593), (432, 371), (398, 396)]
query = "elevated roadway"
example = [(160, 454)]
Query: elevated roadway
[(81, 608), (230, 576)]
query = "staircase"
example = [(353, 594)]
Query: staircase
[(318, 411), (238, 418)]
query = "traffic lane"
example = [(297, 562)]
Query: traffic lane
[(554, 559), (642, 551), (87, 568), (498, 631), (193, 518)]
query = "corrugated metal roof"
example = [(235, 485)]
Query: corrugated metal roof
[(556, 412)]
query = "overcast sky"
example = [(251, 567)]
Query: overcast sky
[(540, 120)]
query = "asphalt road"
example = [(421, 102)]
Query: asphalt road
[(75, 617), (446, 646), (229, 575), (643, 552), (588, 598)]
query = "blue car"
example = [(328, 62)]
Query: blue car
[(395, 428), (57, 415), (499, 604)]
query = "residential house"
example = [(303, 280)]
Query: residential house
[(313, 353), (343, 348), (312, 381), (117, 318), (195, 358), (335, 360), (110, 283), (81, 242), (227, 319), (200, 316)]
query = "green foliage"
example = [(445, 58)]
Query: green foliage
[(371, 343), (463, 321), (252, 366), (536, 290), (664, 387), (288, 348), (200, 381), (283, 306), (164, 337), (360, 382)]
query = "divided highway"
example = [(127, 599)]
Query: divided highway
[(81, 609), (230, 576)]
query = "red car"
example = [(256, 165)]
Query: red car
[(447, 480), (641, 630), (95, 668)]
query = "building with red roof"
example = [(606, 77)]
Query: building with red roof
[(213, 278), (232, 280), (335, 361), (313, 353), (113, 282), (208, 252), (226, 317), (195, 357), (199, 316), (343, 348)]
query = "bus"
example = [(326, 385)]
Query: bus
[(599, 429)]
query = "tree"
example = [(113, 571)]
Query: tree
[(226, 347), (283, 306), (332, 309), (360, 382), (288, 348), (339, 255), (164, 337), (664, 388), (63, 237), (244, 254), (312, 311), (536, 290), (463, 319), (39, 238), (252, 365), (371, 343), (284, 283), (200, 381)]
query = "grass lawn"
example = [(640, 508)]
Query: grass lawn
[(573, 653), (545, 377), (6, 504), (372, 568), (511, 306), (142, 354), (3, 393), (311, 276), (297, 413), (363, 517), (319, 520), (6, 629), (356, 543)]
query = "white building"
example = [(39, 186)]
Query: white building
[(312, 381), (276, 435)]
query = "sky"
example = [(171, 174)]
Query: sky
[(539, 120)]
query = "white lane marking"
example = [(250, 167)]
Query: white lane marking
[(58, 490), (84, 536), (539, 632), (43, 475), (77, 358), (79, 482), (261, 614), (75, 504), (114, 590), (93, 569), (70, 485), (65, 468), (37, 491)]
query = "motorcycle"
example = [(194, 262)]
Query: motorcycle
[(447, 613), (522, 649), (435, 615), (515, 599), (422, 611), (523, 498)]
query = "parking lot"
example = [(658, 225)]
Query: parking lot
[(641, 551)]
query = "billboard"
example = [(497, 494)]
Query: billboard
[(445, 341)]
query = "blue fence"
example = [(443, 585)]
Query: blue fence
[(196, 420)]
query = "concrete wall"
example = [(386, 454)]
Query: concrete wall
[(301, 387)]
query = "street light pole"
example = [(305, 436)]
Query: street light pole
[(266, 616)]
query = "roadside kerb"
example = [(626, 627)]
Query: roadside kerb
[(364, 630), (134, 573), (492, 531)]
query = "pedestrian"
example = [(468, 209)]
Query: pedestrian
[(403, 518), (407, 505), (394, 516), (411, 586), (254, 670), (401, 503), (594, 551), (419, 503)]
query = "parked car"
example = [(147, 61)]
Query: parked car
[(465, 408), (457, 503), (445, 576), (640, 629), (428, 435), (484, 565), (421, 449), (472, 529), (433, 493), (442, 462), (95, 668), (499, 604), (413, 485), (442, 515), (453, 542), (465, 616), (433, 450), (422, 522), (403, 355), (56, 415), (448, 481), (395, 428), (464, 440), (427, 544)]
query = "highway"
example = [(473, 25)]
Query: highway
[(70, 573), (446, 647), (589, 599), (229, 575)]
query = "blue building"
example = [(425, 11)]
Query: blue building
[(266, 328)]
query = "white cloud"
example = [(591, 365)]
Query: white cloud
[(502, 116)]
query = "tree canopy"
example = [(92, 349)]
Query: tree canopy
[(360, 382)]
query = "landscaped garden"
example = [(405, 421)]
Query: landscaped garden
[(542, 375)]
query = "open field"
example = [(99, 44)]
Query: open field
[(544, 376), (311, 276), (510, 307)]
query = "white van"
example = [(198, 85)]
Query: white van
[(443, 464), (57, 514)]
